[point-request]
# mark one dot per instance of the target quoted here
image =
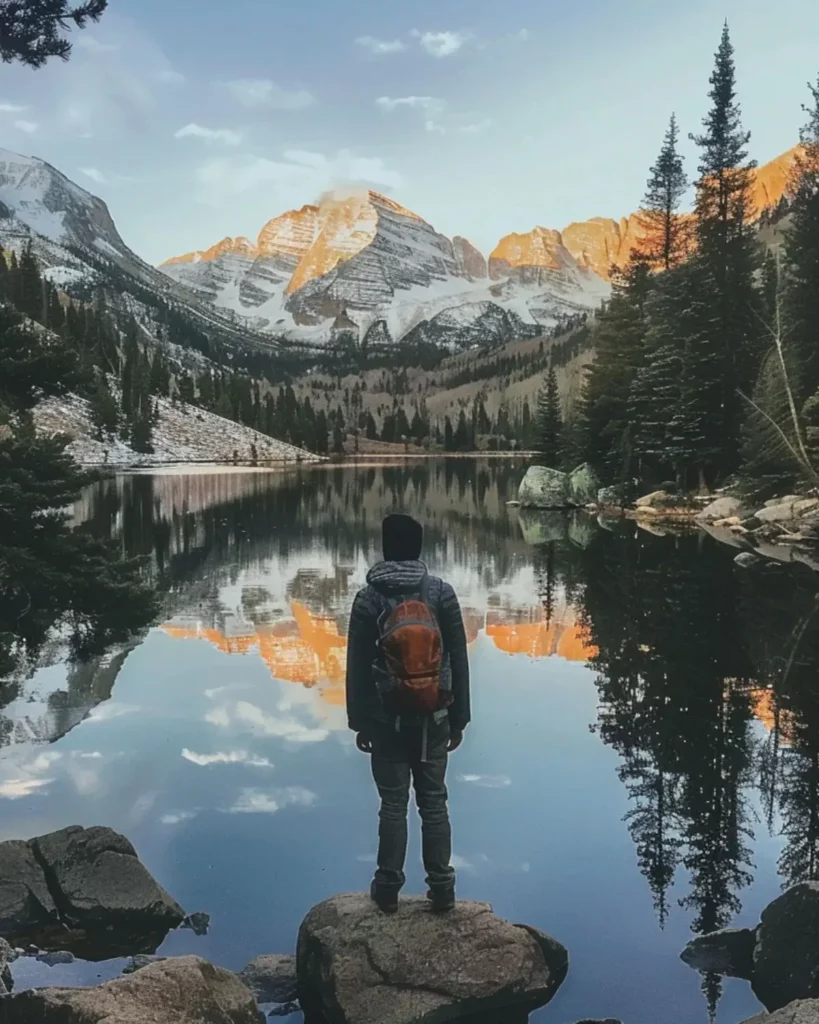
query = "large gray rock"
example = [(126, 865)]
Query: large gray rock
[(610, 497), (782, 512), (272, 979), (7, 956), (544, 488), (656, 498), (181, 990), (729, 952), (101, 881), (583, 485), (542, 527), (786, 956), (722, 508), (359, 966), (25, 900), (803, 1011)]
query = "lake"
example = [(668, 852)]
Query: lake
[(643, 763)]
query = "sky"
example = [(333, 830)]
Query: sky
[(198, 121)]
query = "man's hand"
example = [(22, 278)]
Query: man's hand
[(364, 742), (455, 740)]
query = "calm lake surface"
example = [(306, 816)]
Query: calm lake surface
[(643, 762)]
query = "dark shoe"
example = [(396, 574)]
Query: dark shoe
[(386, 899), (442, 900)]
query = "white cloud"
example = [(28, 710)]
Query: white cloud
[(177, 817), (29, 127), (229, 757), (272, 725), (169, 77), (257, 801), (444, 44), (434, 127), (462, 864), (196, 131), (94, 45), (476, 127), (11, 108), (298, 178), (381, 46), (94, 175), (14, 789), (105, 712), (218, 716), (93, 755), (487, 781), (426, 103), (262, 94)]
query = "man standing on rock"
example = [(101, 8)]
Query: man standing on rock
[(408, 702)]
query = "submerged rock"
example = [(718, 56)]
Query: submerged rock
[(583, 485), (722, 508), (729, 952), (181, 990), (272, 979), (141, 960), (541, 527), (359, 966), (544, 488), (787, 948), (59, 956)]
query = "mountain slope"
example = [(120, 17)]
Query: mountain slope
[(76, 241)]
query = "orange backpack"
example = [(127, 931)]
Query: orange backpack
[(410, 671)]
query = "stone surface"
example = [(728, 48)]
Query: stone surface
[(782, 512), (544, 488), (748, 560), (7, 956), (357, 966), (272, 979), (25, 900), (610, 497), (650, 500), (729, 952), (141, 960), (181, 990), (583, 485), (786, 956), (541, 527), (59, 956), (803, 1011), (722, 508), (101, 881), (198, 923)]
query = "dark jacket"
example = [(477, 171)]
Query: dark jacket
[(383, 580)]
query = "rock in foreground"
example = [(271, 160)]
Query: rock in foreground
[(83, 880), (786, 956), (729, 952), (182, 990), (544, 488), (272, 979), (804, 1011), (359, 966)]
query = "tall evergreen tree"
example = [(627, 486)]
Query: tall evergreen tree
[(550, 421), (666, 239), (728, 255)]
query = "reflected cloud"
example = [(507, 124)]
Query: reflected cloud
[(487, 781), (226, 757), (258, 801), (14, 789), (106, 712), (177, 817), (271, 725)]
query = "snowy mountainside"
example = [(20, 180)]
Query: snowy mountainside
[(366, 259), (184, 433), (74, 238)]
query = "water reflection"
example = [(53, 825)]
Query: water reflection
[(704, 674)]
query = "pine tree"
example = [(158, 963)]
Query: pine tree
[(371, 429), (338, 439), (449, 437), (30, 297), (728, 255), (460, 440), (666, 240), (104, 409), (321, 432), (550, 421), (30, 31)]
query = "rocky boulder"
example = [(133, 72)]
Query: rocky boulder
[(729, 952), (7, 956), (653, 500), (583, 485), (359, 966), (722, 508), (610, 497), (272, 979), (85, 881), (544, 488), (786, 956), (181, 990), (803, 1011)]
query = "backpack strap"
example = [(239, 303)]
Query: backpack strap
[(424, 590)]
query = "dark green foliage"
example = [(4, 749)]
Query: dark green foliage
[(550, 422), (666, 240), (30, 30), (104, 409)]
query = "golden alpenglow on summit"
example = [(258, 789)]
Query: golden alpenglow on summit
[(409, 512)]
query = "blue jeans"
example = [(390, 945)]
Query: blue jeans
[(396, 761)]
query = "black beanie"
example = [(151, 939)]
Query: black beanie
[(401, 538)]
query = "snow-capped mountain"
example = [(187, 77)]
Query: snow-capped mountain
[(74, 237), (348, 264)]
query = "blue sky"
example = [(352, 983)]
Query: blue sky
[(483, 117)]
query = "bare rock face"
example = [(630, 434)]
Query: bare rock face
[(272, 979), (729, 952), (7, 956), (181, 990), (786, 957), (470, 261), (803, 1011), (544, 488), (359, 966), (25, 899)]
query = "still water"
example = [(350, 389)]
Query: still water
[(643, 762)]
